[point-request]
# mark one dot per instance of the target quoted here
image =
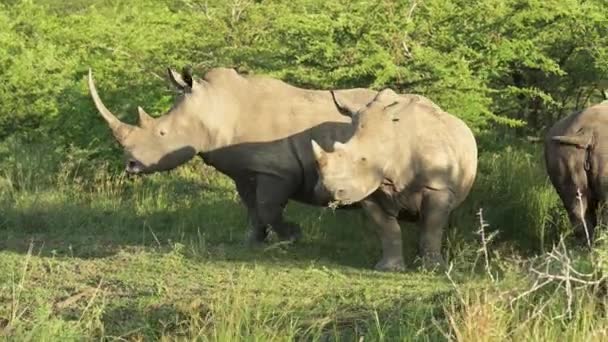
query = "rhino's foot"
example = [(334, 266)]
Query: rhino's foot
[(390, 265), (583, 239), (433, 263), (290, 232), (256, 238)]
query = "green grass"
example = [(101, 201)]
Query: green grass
[(88, 254)]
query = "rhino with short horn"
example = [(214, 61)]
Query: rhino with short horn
[(407, 159), (256, 130), (576, 159)]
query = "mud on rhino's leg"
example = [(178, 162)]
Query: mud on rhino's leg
[(272, 194), (389, 232), (435, 212), (257, 232)]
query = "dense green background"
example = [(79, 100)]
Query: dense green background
[(496, 63)]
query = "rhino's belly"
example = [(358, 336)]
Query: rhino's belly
[(404, 205), (409, 203), (307, 195), (408, 215), (275, 160)]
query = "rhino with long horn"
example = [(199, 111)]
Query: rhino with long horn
[(120, 129), (256, 130)]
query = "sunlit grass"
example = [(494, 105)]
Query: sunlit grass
[(87, 253)]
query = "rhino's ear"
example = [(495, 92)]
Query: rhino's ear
[(144, 118), (581, 140), (187, 75), (320, 154), (183, 81)]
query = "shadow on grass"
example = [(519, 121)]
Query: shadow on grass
[(207, 223), (404, 315)]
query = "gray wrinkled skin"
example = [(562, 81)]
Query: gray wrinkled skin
[(407, 159), (576, 158), (256, 130)]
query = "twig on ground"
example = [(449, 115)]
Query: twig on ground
[(557, 269), (448, 273), (484, 243), (579, 197)]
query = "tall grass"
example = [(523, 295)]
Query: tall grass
[(557, 296), (517, 198), (87, 253)]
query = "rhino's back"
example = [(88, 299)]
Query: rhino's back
[(271, 126), (465, 147), (443, 148), (590, 118), (263, 109)]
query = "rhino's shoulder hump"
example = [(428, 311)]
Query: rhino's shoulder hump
[(421, 105), (221, 73)]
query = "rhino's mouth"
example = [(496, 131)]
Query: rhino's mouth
[(134, 167), (339, 203), (346, 202), (343, 199)]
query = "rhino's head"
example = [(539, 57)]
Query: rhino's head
[(355, 169), (157, 144), (346, 174)]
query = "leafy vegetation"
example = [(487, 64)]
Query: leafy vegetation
[(86, 253), (510, 62)]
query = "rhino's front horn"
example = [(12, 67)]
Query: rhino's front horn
[(144, 118), (119, 128)]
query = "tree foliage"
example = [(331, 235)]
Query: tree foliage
[(495, 63)]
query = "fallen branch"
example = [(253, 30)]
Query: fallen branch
[(74, 298)]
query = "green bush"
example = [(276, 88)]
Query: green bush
[(491, 62)]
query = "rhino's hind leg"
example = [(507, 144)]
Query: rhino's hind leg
[(581, 212), (435, 213), (272, 195), (389, 232)]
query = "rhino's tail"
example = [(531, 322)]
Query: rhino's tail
[(581, 140)]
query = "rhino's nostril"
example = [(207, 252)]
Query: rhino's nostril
[(132, 164), (340, 192)]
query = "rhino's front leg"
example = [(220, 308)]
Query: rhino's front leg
[(257, 232), (435, 212), (272, 194), (389, 232)]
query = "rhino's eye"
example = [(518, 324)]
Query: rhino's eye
[(162, 133), (363, 159)]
